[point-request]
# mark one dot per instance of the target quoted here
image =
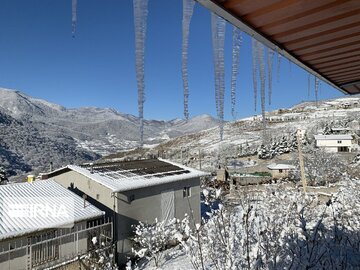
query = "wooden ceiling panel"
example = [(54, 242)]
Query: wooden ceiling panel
[(338, 22), (311, 19), (322, 36), (336, 43), (293, 12)]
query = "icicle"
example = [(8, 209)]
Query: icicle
[(254, 45), (140, 18), (218, 40), (237, 41), (261, 56), (290, 67), (278, 66), (188, 8), (270, 67), (309, 78), (316, 89), (73, 17)]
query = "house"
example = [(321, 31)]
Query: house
[(44, 225), (133, 191), (279, 171), (335, 142), (222, 174)]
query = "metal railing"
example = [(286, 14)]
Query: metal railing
[(62, 246)]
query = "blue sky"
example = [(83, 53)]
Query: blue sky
[(97, 68)]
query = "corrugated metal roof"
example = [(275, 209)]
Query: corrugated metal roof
[(46, 192), (333, 137), (322, 36), (123, 176)]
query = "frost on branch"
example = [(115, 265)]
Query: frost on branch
[(188, 8)]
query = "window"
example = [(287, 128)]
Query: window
[(186, 192), (280, 170), (97, 197), (343, 149), (339, 141)]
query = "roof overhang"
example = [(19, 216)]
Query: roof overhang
[(320, 36)]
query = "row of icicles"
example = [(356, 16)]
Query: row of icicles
[(218, 27)]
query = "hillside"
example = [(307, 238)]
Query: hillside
[(242, 138), (35, 132)]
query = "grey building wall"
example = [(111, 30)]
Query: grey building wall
[(145, 207), (91, 188)]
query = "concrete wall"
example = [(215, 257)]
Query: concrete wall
[(277, 174), (248, 180)]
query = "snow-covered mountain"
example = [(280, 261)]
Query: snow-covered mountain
[(88, 131)]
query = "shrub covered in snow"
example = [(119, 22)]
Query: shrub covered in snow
[(322, 168), (279, 146), (281, 229), (151, 239)]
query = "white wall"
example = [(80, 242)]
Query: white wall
[(333, 143)]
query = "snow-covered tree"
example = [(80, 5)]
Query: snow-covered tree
[(151, 239), (322, 168), (3, 177), (101, 256), (283, 229)]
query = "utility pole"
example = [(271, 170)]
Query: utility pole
[(301, 161), (181, 153), (200, 158)]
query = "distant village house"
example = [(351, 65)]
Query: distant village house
[(335, 142), (279, 171)]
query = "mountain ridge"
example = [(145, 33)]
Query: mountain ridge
[(75, 135)]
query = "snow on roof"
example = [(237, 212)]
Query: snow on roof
[(44, 192), (280, 166), (130, 175), (340, 128), (333, 137)]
